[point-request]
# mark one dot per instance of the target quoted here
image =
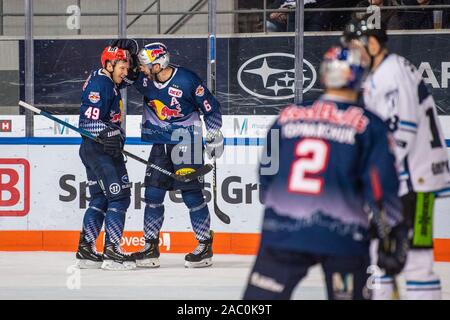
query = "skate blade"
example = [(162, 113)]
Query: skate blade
[(88, 264), (117, 266), (148, 263), (201, 264)]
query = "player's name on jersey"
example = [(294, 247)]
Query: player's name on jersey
[(319, 130), (328, 112)]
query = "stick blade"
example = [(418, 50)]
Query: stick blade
[(222, 216), (198, 173)]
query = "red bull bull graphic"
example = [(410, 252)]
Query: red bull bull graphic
[(117, 117), (164, 112)]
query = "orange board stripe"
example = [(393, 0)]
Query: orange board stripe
[(170, 242)]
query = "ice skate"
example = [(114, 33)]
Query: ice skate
[(202, 255), (87, 256), (149, 256), (115, 259)]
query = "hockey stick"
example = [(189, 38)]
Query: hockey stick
[(212, 87), (219, 213), (183, 178)]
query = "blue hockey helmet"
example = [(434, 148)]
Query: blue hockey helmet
[(154, 53), (342, 68)]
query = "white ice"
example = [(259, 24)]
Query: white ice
[(50, 275)]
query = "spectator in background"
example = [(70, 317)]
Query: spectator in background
[(389, 18), (421, 19), (314, 21), (281, 21)]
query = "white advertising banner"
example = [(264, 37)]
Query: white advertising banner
[(58, 194)]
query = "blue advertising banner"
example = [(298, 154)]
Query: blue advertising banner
[(255, 75)]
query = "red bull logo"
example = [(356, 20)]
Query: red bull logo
[(156, 52), (164, 112), (117, 117)]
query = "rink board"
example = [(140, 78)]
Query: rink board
[(50, 192)]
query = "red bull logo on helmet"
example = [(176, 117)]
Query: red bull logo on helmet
[(164, 112)]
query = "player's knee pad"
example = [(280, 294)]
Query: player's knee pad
[(421, 281), (119, 205), (99, 203), (193, 199), (154, 196)]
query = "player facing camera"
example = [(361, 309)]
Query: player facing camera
[(115, 63)]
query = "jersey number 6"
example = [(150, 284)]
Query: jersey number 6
[(313, 155)]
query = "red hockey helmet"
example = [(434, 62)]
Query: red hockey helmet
[(113, 54)]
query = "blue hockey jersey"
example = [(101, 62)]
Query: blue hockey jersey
[(101, 103), (176, 104), (335, 162)]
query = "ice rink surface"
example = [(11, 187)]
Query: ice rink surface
[(51, 275)]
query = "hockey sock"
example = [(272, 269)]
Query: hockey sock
[(93, 218), (115, 220), (154, 212), (198, 212)]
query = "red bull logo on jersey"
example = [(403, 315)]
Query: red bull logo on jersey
[(328, 112), (164, 112), (117, 117), (94, 97)]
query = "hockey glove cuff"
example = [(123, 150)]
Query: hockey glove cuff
[(112, 140)]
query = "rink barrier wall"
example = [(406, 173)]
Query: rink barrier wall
[(52, 224), (170, 242)]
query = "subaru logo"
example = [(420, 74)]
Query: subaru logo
[(272, 76)]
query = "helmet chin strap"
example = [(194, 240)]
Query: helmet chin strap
[(155, 74), (110, 73)]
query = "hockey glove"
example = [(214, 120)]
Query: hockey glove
[(393, 249), (133, 71), (112, 140), (214, 144), (130, 45)]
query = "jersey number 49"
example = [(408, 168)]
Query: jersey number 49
[(92, 113)]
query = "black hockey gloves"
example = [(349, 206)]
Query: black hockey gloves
[(214, 144), (393, 249), (128, 44), (112, 140)]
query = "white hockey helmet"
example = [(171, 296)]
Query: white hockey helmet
[(342, 68), (154, 53)]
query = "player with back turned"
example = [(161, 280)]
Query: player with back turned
[(174, 98), (336, 169)]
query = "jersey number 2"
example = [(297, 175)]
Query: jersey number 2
[(313, 155)]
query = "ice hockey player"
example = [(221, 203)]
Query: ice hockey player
[(396, 92), (101, 115), (336, 168), (173, 99)]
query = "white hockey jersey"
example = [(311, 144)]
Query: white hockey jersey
[(396, 92)]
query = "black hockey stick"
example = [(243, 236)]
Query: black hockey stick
[(219, 213), (212, 87), (183, 178)]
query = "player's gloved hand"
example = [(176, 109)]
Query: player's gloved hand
[(113, 140), (393, 249), (133, 71), (130, 45), (214, 144)]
